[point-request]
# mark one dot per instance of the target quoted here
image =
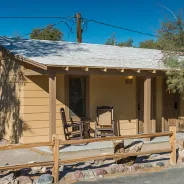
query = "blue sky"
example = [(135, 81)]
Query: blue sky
[(141, 15)]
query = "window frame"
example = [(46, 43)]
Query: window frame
[(67, 110)]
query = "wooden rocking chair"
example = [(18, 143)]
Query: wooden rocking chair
[(104, 125), (69, 135)]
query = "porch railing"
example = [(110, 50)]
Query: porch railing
[(55, 144)]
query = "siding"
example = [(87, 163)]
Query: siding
[(113, 91), (35, 111), (11, 124)]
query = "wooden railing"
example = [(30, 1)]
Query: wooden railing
[(55, 144)]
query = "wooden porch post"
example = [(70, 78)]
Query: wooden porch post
[(52, 105), (147, 105)]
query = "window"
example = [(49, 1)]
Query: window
[(77, 96)]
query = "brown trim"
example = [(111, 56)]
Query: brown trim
[(66, 96), (99, 71), (147, 105), (103, 67), (52, 105)]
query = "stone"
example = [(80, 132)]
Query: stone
[(9, 177), (45, 179), (134, 146), (154, 156), (160, 164), (35, 170), (146, 165), (98, 172), (35, 181), (88, 174), (77, 175), (61, 168), (116, 168), (98, 162), (24, 180), (4, 181), (131, 168), (43, 170)]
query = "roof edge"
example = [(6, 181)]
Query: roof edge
[(23, 59)]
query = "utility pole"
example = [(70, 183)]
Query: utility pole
[(79, 30)]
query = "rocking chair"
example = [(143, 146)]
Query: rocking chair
[(104, 126), (71, 135)]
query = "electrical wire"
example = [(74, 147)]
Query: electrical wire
[(119, 27), (85, 22), (52, 25)]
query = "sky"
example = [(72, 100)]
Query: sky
[(140, 15)]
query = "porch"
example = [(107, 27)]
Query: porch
[(135, 98)]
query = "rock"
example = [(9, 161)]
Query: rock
[(98, 162), (154, 156), (131, 168), (98, 172), (116, 168), (35, 181), (146, 165), (35, 170), (9, 177), (77, 175), (24, 180), (4, 181), (61, 168), (16, 182), (134, 146), (160, 164), (45, 179), (88, 174)]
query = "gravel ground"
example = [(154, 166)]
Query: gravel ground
[(21, 156)]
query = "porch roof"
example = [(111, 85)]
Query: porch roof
[(61, 53)]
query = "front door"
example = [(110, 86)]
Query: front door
[(140, 103), (170, 108)]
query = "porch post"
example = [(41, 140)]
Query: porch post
[(147, 105), (52, 105)]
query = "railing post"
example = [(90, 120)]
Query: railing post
[(55, 171), (172, 129)]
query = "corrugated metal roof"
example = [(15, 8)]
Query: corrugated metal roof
[(63, 53)]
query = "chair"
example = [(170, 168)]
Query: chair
[(104, 126), (74, 134)]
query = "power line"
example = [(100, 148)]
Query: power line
[(52, 25), (85, 22), (34, 17), (119, 27)]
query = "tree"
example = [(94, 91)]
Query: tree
[(149, 44), (49, 33), (128, 43), (112, 41), (171, 41)]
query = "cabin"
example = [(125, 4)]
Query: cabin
[(39, 77)]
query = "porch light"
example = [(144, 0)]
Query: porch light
[(130, 77)]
